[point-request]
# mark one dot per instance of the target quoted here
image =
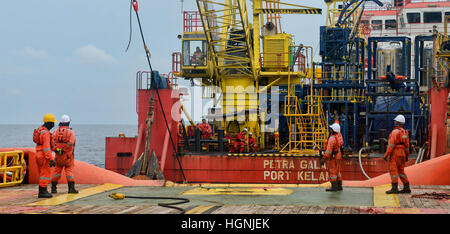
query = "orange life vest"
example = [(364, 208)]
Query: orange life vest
[(61, 137)]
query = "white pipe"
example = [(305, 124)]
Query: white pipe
[(419, 156), (360, 163)]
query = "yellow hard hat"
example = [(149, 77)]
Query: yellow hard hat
[(49, 118)]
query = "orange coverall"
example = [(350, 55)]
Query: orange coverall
[(66, 160), (44, 155), (239, 143), (252, 144), (205, 129), (333, 144), (398, 151)]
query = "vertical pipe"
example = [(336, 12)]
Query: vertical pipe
[(198, 144), (346, 125), (433, 141), (221, 139), (382, 139), (164, 151), (355, 125), (138, 143)]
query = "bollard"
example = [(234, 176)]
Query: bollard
[(221, 140), (198, 144)]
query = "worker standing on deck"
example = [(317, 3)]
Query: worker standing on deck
[(253, 147), (397, 153), (64, 138), (206, 130), (333, 157), (44, 158), (239, 143)]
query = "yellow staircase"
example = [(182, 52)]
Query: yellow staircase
[(308, 127)]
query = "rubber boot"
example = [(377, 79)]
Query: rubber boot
[(333, 188), (54, 183), (339, 185), (43, 193), (71, 185), (405, 189), (394, 189)]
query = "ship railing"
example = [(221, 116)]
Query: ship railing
[(144, 82), (390, 5), (176, 62), (172, 80), (192, 22), (344, 83), (405, 29), (12, 167)]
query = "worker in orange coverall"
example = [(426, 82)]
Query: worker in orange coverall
[(44, 158), (64, 139), (253, 147), (206, 130), (398, 152), (333, 157), (239, 143)]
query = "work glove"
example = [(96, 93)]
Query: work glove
[(59, 151), (52, 163)]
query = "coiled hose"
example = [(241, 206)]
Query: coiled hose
[(120, 196)]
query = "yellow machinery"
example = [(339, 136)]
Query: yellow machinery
[(442, 54), (239, 72), (193, 60), (11, 168)]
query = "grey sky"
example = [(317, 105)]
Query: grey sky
[(68, 56)]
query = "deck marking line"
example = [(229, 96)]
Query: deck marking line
[(198, 209), (60, 199), (381, 199)]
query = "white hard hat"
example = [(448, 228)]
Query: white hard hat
[(400, 118), (64, 119), (249, 133), (244, 130), (336, 127)]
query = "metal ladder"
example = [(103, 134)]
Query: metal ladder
[(228, 36)]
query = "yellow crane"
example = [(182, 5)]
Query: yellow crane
[(239, 70)]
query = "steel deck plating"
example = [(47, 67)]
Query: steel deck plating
[(225, 199)]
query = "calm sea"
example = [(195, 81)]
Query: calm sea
[(90, 146)]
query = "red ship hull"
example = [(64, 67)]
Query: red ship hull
[(122, 152)]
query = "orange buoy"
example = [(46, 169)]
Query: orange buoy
[(432, 172), (84, 173)]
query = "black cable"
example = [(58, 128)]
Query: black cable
[(167, 205), (131, 26), (157, 92)]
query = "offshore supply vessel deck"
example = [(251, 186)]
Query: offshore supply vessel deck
[(378, 59)]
